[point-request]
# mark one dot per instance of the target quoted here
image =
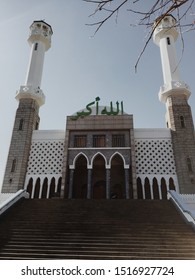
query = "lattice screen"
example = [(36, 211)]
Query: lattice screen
[(46, 157), (154, 157)]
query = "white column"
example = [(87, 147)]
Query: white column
[(35, 68), (33, 188), (151, 188), (143, 189), (48, 187), (159, 188)]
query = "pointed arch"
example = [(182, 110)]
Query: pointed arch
[(117, 176), (96, 155), (147, 188), (37, 188), (44, 188), (120, 155), (171, 184), (99, 176), (30, 187), (80, 177), (163, 188), (139, 188), (52, 187), (155, 188), (77, 156)]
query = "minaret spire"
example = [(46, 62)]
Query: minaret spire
[(30, 97), (165, 36), (175, 93), (40, 41)]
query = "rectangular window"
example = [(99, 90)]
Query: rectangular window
[(99, 140), (118, 140), (36, 46), (168, 41), (80, 141), (13, 168)]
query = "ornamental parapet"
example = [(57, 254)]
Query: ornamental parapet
[(173, 88), (30, 92)]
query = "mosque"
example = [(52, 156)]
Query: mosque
[(100, 155)]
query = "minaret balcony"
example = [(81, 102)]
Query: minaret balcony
[(174, 88), (30, 92)]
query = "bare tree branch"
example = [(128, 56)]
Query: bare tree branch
[(182, 10)]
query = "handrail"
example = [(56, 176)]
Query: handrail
[(182, 205), (12, 200)]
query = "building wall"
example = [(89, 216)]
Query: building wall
[(26, 120), (97, 125), (182, 131), (45, 163), (152, 150), (155, 159)]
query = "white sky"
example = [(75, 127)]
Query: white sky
[(79, 67)]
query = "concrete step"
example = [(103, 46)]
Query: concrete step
[(95, 229)]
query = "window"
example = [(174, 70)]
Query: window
[(13, 168), (37, 126), (36, 46), (182, 122), (99, 140), (168, 41), (118, 140), (189, 165), (80, 141), (21, 124)]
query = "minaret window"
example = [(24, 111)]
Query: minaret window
[(36, 46), (13, 165), (21, 124), (189, 165), (37, 126), (168, 41), (182, 121)]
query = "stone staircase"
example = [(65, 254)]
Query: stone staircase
[(95, 229)]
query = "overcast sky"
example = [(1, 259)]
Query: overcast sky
[(79, 66)]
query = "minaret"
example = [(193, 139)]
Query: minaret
[(175, 93), (30, 98)]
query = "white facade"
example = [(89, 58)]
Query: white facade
[(153, 155), (46, 158)]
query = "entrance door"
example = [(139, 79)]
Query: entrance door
[(117, 178), (99, 178), (80, 178)]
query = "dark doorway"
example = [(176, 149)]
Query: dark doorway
[(80, 178), (99, 178), (117, 177)]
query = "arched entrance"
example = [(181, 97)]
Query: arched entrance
[(45, 188), (117, 178), (30, 187), (80, 178), (37, 188), (155, 189), (139, 188), (147, 188), (163, 189), (99, 178)]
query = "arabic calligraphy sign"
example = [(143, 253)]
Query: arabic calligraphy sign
[(99, 110)]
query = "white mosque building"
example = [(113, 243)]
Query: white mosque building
[(100, 155)]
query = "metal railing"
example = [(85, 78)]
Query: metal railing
[(12, 199), (185, 203)]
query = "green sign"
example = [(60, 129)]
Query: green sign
[(111, 111)]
